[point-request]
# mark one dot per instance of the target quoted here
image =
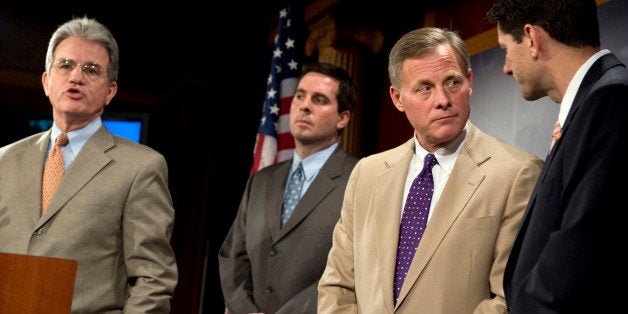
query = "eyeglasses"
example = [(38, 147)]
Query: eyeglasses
[(64, 66)]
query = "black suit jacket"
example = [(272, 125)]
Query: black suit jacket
[(564, 258), (265, 268)]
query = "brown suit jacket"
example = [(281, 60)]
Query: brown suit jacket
[(460, 262)]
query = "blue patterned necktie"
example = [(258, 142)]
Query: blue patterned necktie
[(414, 220), (292, 194)]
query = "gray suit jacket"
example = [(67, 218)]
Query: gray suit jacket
[(267, 269), (459, 264), (112, 212)]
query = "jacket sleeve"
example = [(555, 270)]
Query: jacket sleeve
[(148, 221), (336, 288), (517, 201), (234, 264)]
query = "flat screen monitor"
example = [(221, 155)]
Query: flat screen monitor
[(130, 125)]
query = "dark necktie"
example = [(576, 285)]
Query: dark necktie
[(413, 221), (292, 194), (53, 171)]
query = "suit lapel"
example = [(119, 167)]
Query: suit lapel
[(274, 204), (461, 185), (594, 74), (322, 185), (88, 162), (33, 154), (385, 210), (464, 180)]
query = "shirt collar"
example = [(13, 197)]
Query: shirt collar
[(574, 85), (447, 155), (313, 163), (76, 138)]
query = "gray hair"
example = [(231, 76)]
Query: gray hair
[(420, 42), (89, 29)]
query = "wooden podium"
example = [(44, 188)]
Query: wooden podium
[(36, 284)]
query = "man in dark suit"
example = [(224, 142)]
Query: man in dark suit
[(269, 262), (565, 252), (112, 211)]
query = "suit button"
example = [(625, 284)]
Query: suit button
[(38, 232), (268, 290), (273, 251)]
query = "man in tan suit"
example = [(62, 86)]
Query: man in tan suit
[(112, 211), (481, 188)]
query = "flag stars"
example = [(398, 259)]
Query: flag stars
[(274, 141), (290, 43), (277, 53), (271, 93), (293, 65), (274, 109)]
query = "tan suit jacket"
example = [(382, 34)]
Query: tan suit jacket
[(112, 212), (459, 265)]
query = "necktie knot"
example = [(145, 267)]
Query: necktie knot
[(62, 140), (429, 162)]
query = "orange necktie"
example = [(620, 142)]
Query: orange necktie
[(53, 172), (556, 134)]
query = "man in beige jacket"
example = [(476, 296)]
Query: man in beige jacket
[(481, 188)]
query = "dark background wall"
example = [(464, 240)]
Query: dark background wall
[(199, 73)]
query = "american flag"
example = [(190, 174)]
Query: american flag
[(274, 142)]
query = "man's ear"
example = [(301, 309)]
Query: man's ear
[(395, 94), (533, 35), (44, 82), (343, 119)]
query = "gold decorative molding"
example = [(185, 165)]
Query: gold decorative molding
[(324, 34), (482, 41), (318, 8)]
